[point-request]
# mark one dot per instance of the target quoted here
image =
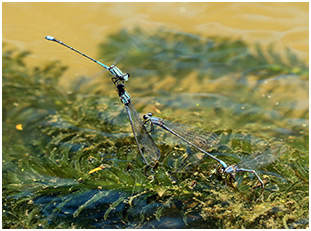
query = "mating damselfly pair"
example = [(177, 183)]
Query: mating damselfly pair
[(201, 141)]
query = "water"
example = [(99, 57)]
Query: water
[(58, 126), (282, 24)]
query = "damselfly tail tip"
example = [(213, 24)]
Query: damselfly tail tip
[(48, 37)]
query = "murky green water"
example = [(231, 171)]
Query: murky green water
[(53, 137), (208, 66)]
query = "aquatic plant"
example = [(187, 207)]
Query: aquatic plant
[(53, 137)]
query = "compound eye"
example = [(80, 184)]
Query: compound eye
[(145, 116), (150, 114)]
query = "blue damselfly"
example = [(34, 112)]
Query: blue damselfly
[(202, 141), (146, 146)]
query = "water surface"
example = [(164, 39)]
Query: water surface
[(239, 70)]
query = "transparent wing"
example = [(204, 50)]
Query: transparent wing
[(260, 159), (148, 147), (203, 139)]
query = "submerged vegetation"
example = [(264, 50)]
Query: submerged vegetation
[(53, 137)]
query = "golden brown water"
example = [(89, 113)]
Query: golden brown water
[(85, 25)]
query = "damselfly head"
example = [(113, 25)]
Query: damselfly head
[(147, 116), (126, 76), (118, 73)]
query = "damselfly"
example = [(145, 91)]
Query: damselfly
[(201, 142), (198, 141), (145, 143), (146, 146)]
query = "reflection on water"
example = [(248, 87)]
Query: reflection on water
[(229, 86)]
